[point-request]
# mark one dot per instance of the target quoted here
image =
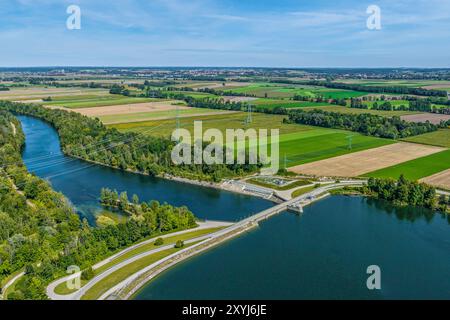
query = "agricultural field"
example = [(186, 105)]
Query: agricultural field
[(416, 169), (172, 113), (427, 84), (273, 103), (110, 100), (37, 93), (342, 109), (298, 144), (280, 91), (394, 103), (434, 118), (440, 180), (359, 163), (440, 138)]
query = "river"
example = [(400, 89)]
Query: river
[(321, 254)]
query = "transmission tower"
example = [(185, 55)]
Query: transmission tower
[(350, 142), (249, 114)]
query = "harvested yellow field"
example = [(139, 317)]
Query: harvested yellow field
[(358, 163), (130, 108), (441, 179)]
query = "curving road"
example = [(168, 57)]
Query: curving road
[(78, 294)]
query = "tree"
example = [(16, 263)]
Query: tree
[(88, 274), (179, 244)]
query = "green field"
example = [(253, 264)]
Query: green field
[(440, 138), (394, 103), (398, 83), (417, 168), (110, 100), (146, 116), (342, 109), (300, 144), (273, 103), (281, 91)]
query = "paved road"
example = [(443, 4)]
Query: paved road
[(10, 283)]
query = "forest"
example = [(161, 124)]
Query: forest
[(402, 192), (89, 139), (368, 124)]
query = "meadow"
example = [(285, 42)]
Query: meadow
[(110, 100), (342, 109), (440, 138), (416, 169), (394, 103), (280, 91), (157, 115), (403, 83), (273, 103), (298, 144)]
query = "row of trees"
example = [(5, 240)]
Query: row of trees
[(320, 98), (90, 140), (368, 124), (403, 192)]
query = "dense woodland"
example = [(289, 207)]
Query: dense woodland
[(403, 192), (90, 140), (368, 124), (41, 234)]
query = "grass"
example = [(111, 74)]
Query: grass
[(301, 144), (340, 94), (151, 246), (297, 183), (300, 149), (417, 168), (342, 109), (273, 103), (301, 191), (440, 138), (394, 103), (116, 277), (405, 83), (62, 289), (146, 116), (98, 102), (6, 280), (266, 90)]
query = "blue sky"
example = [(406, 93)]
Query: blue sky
[(266, 33)]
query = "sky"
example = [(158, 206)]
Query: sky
[(228, 33)]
